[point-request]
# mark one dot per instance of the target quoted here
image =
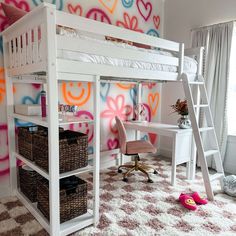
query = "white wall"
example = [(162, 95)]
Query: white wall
[(180, 17), (183, 15)]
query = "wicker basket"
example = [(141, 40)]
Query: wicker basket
[(73, 200), (28, 182), (25, 140), (73, 150)]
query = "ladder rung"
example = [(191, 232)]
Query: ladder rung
[(216, 176), (196, 82), (210, 152), (206, 129), (201, 105)]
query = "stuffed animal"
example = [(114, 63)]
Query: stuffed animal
[(230, 185)]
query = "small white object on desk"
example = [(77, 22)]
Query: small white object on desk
[(28, 110)]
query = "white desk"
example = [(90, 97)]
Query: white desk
[(183, 148)]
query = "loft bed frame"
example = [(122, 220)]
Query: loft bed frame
[(30, 56), (36, 33)]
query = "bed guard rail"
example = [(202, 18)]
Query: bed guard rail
[(198, 54), (24, 43)]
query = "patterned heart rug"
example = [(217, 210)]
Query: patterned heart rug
[(138, 208)]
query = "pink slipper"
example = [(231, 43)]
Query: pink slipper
[(188, 202), (198, 199)]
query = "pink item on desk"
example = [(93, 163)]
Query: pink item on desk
[(43, 104)]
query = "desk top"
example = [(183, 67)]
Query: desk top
[(159, 128)]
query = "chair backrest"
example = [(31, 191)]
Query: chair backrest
[(122, 135)]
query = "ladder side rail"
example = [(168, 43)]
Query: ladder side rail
[(197, 137), (219, 165)]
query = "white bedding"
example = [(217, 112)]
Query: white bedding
[(190, 65)]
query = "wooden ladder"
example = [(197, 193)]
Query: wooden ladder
[(195, 105)]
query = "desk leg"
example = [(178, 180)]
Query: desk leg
[(188, 171), (121, 159), (173, 169), (193, 160)]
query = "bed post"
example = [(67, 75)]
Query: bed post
[(53, 131), (200, 61), (181, 59)]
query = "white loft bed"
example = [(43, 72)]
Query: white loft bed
[(34, 33), (33, 49)]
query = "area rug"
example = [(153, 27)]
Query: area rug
[(138, 208)]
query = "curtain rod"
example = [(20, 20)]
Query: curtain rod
[(210, 26)]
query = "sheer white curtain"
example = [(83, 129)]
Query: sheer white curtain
[(217, 40)]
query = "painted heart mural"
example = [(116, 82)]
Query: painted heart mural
[(110, 5), (156, 21), (116, 99), (144, 8), (153, 102), (127, 3), (75, 9)]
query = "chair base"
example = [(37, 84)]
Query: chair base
[(137, 167)]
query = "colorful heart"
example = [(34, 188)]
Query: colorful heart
[(112, 143), (110, 5), (156, 21), (127, 3), (152, 138), (75, 9), (153, 102), (105, 88), (145, 9)]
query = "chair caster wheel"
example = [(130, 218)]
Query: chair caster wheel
[(125, 179), (150, 181), (155, 172), (119, 171)]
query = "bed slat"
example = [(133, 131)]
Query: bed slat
[(76, 67), (24, 49), (97, 48), (99, 28)]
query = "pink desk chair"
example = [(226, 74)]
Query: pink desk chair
[(133, 148)]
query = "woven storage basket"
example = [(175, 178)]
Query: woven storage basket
[(73, 150), (28, 182), (73, 200), (25, 140)]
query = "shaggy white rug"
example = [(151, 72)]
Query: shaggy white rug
[(138, 208)]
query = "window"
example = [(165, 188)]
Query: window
[(232, 89)]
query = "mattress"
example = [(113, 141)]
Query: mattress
[(190, 65)]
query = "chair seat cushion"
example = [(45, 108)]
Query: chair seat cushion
[(139, 146)]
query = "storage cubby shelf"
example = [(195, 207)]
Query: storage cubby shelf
[(66, 227), (45, 174), (66, 120), (32, 207), (32, 165)]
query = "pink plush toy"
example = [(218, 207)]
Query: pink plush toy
[(199, 200), (188, 202)]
